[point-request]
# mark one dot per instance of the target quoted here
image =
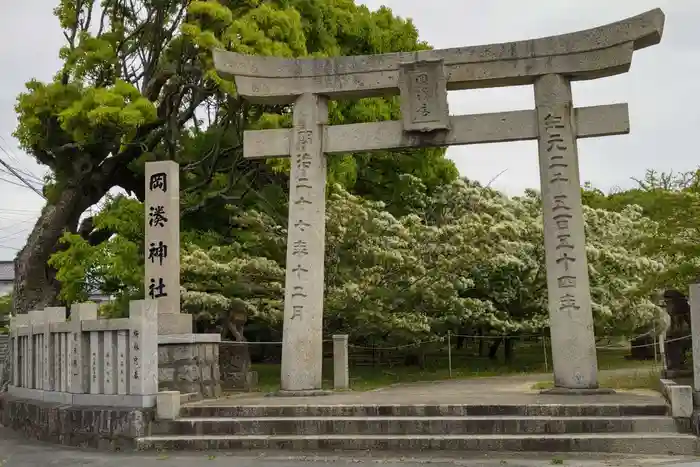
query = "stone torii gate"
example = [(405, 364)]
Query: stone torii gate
[(422, 79)]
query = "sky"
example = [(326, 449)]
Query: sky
[(661, 88)]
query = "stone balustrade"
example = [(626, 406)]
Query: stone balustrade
[(85, 360)]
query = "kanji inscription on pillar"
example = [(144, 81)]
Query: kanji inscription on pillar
[(162, 246)]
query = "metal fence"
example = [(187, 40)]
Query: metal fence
[(447, 356)]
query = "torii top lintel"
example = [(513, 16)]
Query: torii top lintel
[(589, 54)]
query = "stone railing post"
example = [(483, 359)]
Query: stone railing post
[(51, 315), (77, 351), (143, 348), (341, 371), (17, 349), (694, 302), (36, 321)]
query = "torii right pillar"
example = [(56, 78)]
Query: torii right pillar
[(570, 314)]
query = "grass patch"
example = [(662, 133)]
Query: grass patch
[(528, 358), (642, 379)]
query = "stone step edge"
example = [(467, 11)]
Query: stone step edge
[(199, 409), (413, 418), (582, 436), (190, 397), (647, 443), (204, 403)]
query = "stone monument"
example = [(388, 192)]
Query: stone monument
[(187, 362), (422, 80), (162, 248)]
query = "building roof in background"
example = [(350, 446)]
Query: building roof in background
[(7, 271)]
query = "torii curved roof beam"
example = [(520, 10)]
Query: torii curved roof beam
[(593, 53)]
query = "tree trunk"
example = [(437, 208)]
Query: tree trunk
[(35, 285)]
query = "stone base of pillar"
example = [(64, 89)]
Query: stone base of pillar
[(189, 363), (577, 391), (303, 393)]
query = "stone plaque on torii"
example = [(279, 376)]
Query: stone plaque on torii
[(422, 79)]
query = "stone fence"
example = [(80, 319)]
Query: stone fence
[(84, 360), (4, 346), (4, 361)]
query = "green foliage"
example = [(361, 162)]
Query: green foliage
[(673, 202), (115, 266), (293, 28)]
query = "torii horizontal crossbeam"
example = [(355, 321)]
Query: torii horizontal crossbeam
[(604, 120), (593, 53)]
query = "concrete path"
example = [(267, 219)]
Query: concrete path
[(507, 390), (18, 452)]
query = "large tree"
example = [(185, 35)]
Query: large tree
[(672, 200), (137, 84)]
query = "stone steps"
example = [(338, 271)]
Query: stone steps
[(425, 410), (636, 443), (414, 425), (607, 428)]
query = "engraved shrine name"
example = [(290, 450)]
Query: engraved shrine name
[(157, 250)]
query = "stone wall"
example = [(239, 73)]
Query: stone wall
[(102, 428), (189, 367)]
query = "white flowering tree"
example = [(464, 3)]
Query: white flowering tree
[(474, 257), (621, 274), (464, 256)]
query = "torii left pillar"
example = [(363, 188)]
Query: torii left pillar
[(302, 341)]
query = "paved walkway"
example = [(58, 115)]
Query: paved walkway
[(505, 390)]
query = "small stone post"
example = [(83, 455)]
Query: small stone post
[(78, 353), (36, 322), (694, 302), (168, 405), (17, 349), (143, 348), (341, 371), (52, 315)]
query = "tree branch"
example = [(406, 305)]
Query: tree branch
[(94, 237)]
